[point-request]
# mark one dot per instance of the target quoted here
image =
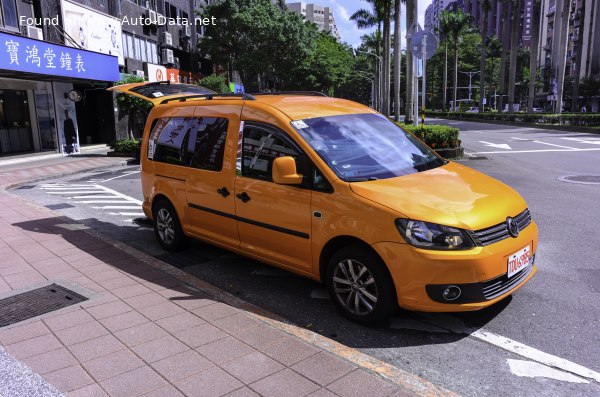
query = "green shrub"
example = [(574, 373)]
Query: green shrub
[(574, 119), (436, 136), (128, 103), (129, 146), (216, 83)]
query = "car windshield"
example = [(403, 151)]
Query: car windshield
[(362, 147)]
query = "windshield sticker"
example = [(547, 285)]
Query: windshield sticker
[(157, 94), (299, 124), (151, 149)]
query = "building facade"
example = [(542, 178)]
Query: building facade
[(320, 15), (432, 13)]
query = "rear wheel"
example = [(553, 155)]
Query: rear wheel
[(167, 227), (360, 286)]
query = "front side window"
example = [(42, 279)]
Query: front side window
[(361, 147), (189, 142), (260, 147)]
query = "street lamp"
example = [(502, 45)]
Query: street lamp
[(470, 74), (378, 78)]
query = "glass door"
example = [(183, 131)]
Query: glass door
[(15, 122)]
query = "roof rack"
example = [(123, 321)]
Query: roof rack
[(184, 98), (168, 82), (306, 93)]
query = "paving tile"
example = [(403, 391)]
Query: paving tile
[(260, 336), (200, 335), (123, 321), (236, 323), (88, 391), (117, 282), (69, 379), (192, 303), (18, 333), (80, 333), (322, 393), (289, 350), (360, 383), (215, 311), (145, 300), (50, 361), (160, 348), (103, 276), (165, 391), (109, 309), (140, 334), (161, 283), (252, 367), (112, 364), (67, 320), (97, 347), (286, 383), (162, 310), (323, 368), (181, 365), (24, 279), (212, 382), (131, 290), (34, 346), (225, 349), (133, 383), (180, 322), (242, 392)]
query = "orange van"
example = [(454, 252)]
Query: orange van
[(334, 191)]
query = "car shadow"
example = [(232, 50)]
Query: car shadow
[(283, 295)]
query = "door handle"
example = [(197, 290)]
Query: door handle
[(223, 192), (243, 196)]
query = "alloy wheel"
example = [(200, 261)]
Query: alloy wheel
[(355, 287), (165, 226)]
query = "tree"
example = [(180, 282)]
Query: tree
[(533, 56), (485, 8), (514, 48), (459, 25), (494, 52), (133, 107), (386, 4), (214, 82), (443, 29), (397, 59), (506, 8), (411, 21), (576, 85)]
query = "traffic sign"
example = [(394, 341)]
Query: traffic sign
[(420, 38)]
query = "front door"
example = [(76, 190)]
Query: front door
[(274, 221)]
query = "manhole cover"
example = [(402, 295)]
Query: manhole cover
[(60, 206), (583, 179), (36, 302), (26, 187)]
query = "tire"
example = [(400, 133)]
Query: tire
[(167, 227), (369, 299)]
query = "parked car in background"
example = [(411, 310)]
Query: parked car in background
[(473, 109)]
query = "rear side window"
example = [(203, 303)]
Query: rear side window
[(189, 141)]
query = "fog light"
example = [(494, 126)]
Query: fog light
[(451, 293)]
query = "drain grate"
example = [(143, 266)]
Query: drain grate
[(583, 179), (25, 187), (60, 206), (36, 302)]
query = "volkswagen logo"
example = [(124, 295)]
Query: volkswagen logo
[(512, 226)]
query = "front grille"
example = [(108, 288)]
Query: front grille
[(499, 232), (502, 284)]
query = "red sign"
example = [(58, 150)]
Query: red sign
[(182, 76)]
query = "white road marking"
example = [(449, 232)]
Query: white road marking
[(128, 213), (532, 369), (91, 196), (497, 145), (101, 201), (457, 326), (117, 207), (590, 140), (120, 176), (75, 192), (543, 143), (539, 151)]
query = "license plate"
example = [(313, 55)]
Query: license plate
[(518, 261)]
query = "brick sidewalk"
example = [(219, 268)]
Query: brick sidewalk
[(145, 332)]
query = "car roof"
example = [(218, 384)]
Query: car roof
[(298, 106)]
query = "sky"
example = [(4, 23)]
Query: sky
[(343, 9)]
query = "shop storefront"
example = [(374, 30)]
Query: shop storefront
[(43, 90)]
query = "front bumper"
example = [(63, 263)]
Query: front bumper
[(420, 275)]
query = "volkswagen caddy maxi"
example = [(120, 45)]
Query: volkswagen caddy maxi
[(334, 191)]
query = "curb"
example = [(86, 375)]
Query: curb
[(394, 375), (551, 127)]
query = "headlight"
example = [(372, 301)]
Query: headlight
[(433, 236)]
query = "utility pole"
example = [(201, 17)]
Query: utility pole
[(470, 74)]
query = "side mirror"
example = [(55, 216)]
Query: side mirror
[(284, 171)]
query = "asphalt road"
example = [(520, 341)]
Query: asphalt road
[(543, 341)]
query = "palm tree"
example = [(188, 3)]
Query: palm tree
[(443, 29), (533, 54), (504, 38), (411, 19), (459, 25), (485, 8), (397, 59), (387, 5), (494, 51), (514, 49)]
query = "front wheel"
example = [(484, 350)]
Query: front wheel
[(360, 286), (167, 227)]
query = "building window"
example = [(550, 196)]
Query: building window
[(139, 48), (10, 17)]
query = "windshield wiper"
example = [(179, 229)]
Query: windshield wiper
[(371, 178)]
